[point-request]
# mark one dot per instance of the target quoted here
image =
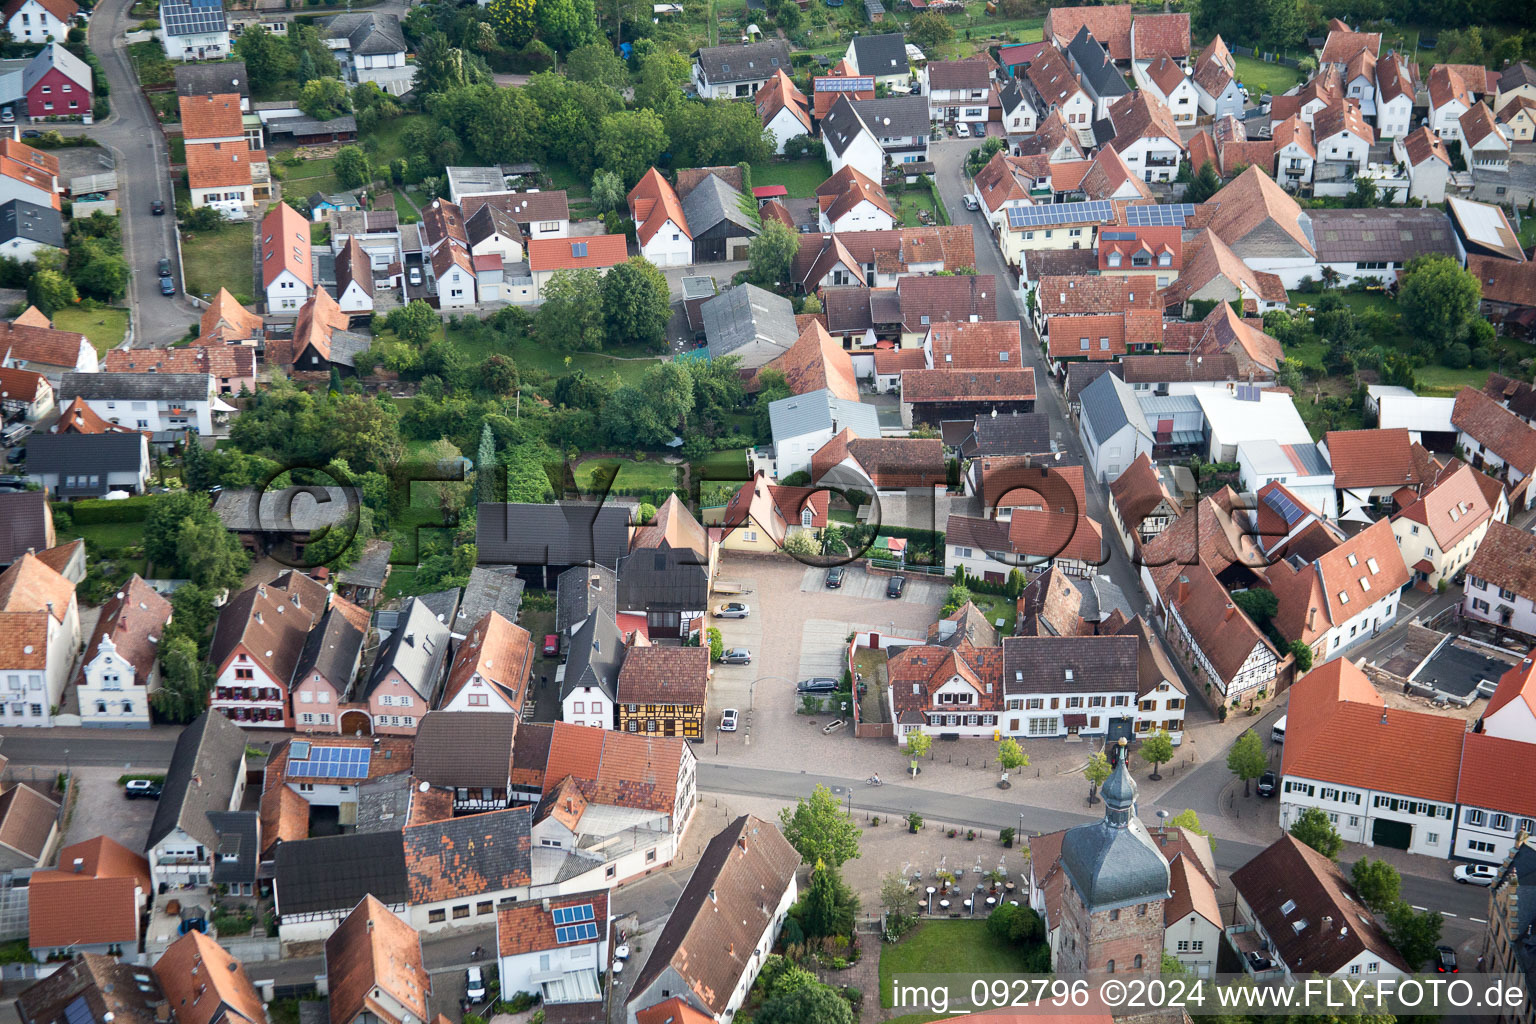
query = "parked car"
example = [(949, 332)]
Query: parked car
[(1445, 960), (962, 131), (474, 984), (736, 656), (165, 266), (415, 277), (971, 204), (819, 684), (728, 720), (16, 455), (1268, 784), (141, 789), (835, 577), (732, 610), (551, 644), (895, 586), (31, 133), (157, 207), (1475, 874), (167, 286)]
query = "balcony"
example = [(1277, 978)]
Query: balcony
[(1162, 161)]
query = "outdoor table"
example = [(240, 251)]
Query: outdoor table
[(943, 904), (991, 901), (967, 904), (1013, 903)]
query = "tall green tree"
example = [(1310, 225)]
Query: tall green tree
[(630, 141), (1011, 756), (184, 680), (352, 167), (571, 317), (513, 20), (1206, 183), (607, 191), (564, 24), (325, 98), (818, 830), (1156, 749), (1313, 828), (1096, 771), (820, 913), (1377, 883), (637, 303), (50, 291), (1246, 759), (415, 322), (930, 30), (1438, 297), (266, 60), (486, 466), (1414, 933), (161, 533), (209, 554), (771, 254), (818, 1003), (597, 64)]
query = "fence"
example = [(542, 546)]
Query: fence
[(1268, 58), (891, 566)]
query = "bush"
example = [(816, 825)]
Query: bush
[(1457, 356), (98, 510)]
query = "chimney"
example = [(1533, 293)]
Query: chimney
[(79, 865), (1327, 920), (1311, 618), (1231, 610), (712, 896), (370, 924), (1383, 716), (741, 843), (1183, 594), (544, 904)]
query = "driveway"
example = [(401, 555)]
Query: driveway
[(101, 809), (862, 584)]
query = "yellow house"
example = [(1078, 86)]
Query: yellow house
[(763, 514), (1054, 226), (1519, 117), (1438, 534)]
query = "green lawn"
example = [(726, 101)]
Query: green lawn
[(995, 607), (1528, 232), (221, 259), (105, 325), (385, 143), (310, 176), (947, 947), (910, 202), (149, 63), (651, 475), (1260, 77), (799, 176), (106, 536), (629, 363), (403, 208), (729, 466)]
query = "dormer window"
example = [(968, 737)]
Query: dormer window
[(1114, 259), (1165, 260)]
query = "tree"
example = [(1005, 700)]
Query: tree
[(637, 303), (1096, 771), (192, 615), (352, 167), (485, 466), (1438, 297), (497, 376), (918, 745), (1206, 183), (663, 72), (1377, 884), (596, 63), (209, 554), (1303, 655), (1015, 925), (1414, 933), (929, 31), (771, 254), (899, 901), (1010, 756), (1188, 819), (325, 98), (1157, 750), (571, 318), (816, 1002), (196, 467), (1172, 967), (1260, 605), (1246, 759), (564, 23), (607, 191), (104, 276), (801, 544), (959, 596), (669, 388), (1313, 828), (513, 21), (630, 141), (162, 527), (1364, 195), (817, 829), (266, 60), (50, 291), (716, 643), (819, 916), (183, 692)]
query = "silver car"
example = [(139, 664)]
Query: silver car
[(736, 656), (733, 610)]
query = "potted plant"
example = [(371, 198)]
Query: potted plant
[(1006, 836), (874, 822), (970, 834), (946, 879), (953, 832), (914, 822), (997, 876)]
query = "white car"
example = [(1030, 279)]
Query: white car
[(962, 131), (970, 203), (474, 984), (728, 720), (1475, 874), (732, 610)]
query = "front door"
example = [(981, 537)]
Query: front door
[(1396, 834)]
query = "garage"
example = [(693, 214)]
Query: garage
[(1396, 834)]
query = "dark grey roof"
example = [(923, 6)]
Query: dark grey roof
[(881, 55), (416, 649), (895, 115), (488, 590), (1082, 373), (369, 570), (1520, 873), (237, 837), (565, 533), (299, 509), (1516, 75), (441, 603), (1114, 862), (663, 579), (799, 415), (23, 524), (712, 201), (311, 126), (335, 872), (1019, 433), (490, 220), (1109, 404), (205, 79), (847, 308), (582, 590), (21, 219), (192, 17), (596, 655), (138, 387), (1067, 664), (746, 314), (841, 125), (1096, 70), (1012, 95), (725, 64), (384, 803), (85, 453), (1380, 235), (465, 749), (212, 749), (330, 649), (368, 33), (478, 853)]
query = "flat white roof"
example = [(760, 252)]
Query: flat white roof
[(1482, 222), (1233, 421), (1417, 413)]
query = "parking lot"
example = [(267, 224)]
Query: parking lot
[(797, 629), (101, 809)]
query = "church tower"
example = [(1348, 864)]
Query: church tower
[(1112, 911)]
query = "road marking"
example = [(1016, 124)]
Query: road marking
[(1418, 907), (1443, 913), (1478, 920)]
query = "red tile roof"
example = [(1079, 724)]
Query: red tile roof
[(1488, 763), (778, 93), (1496, 428), (202, 982), (1109, 24), (980, 345), (375, 951), (211, 117), (529, 927), (1519, 682), (917, 673), (664, 675), (498, 652), (1421, 145), (592, 251), (1340, 730), (64, 10), (1084, 295), (1506, 558), (1380, 457), (1153, 35), (1452, 507), (96, 902), (220, 165), (1338, 584), (285, 246), (653, 202)]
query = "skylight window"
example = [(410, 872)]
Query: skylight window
[(1343, 597)]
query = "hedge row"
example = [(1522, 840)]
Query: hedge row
[(92, 511)]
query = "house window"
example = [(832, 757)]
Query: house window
[(485, 907), (461, 912), (436, 916)]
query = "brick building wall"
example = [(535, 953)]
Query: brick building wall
[(1091, 941)]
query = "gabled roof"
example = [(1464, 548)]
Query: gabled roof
[(1488, 763), (98, 985), (1052, 77), (725, 64), (1446, 86), (1109, 404), (1421, 144), (664, 675), (143, 386), (208, 761), (595, 654), (712, 935), (563, 533), (781, 93), (227, 320), (1342, 45), (1156, 34), (368, 32), (973, 73), (370, 952), (817, 361), (976, 346), (1087, 295), (1506, 558), (1097, 69), (90, 898), (1452, 507), (27, 342), (64, 10), (1138, 490), (211, 165), (1211, 258), (26, 524), (918, 672), (1107, 175), (474, 855), (1395, 75), (133, 618), (1251, 202), (930, 300), (415, 653), (219, 360), (652, 203), (590, 251), (1309, 909), (1496, 429), (714, 201), (1068, 664), (1379, 457), (31, 585), (1478, 124), (1223, 631), (846, 189), (529, 927), (880, 55), (252, 621), (1475, 76), (1505, 280), (205, 985), (212, 116), (499, 653), (1337, 584), (1110, 25), (1341, 116), (285, 246), (1214, 67), (746, 315)]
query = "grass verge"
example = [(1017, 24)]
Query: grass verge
[(221, 259)]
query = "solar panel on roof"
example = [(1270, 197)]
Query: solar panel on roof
[(844, 85), (191, 17), (1160, 215), (572, 915), (1059, 213), (78, 1011), (1284, 506), (576, 933), (332, 763), (298, 750)]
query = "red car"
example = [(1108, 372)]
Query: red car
[(551, 644)]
